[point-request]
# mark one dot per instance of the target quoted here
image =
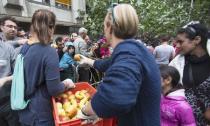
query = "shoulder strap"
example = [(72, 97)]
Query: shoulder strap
[(191, 76), (18, 86), (24, 49)]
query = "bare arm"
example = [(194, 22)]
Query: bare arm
[(3, 80)]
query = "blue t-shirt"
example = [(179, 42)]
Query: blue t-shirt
[(42, 80), (130, 89)]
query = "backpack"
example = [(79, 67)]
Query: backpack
[(18, 85)]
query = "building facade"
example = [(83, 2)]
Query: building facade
[(68, 12)]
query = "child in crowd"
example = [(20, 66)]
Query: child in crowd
[(66, 62), (175, 110)]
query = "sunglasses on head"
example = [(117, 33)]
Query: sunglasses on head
[(113, 5), (190, 28), (191, 23)]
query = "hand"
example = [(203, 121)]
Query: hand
[(85, 60), (64, 48), (87, 119), (69, 84), (207, 114), (22, 41), (2, 82)]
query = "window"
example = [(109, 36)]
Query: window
[(46, 2), (66, 4)]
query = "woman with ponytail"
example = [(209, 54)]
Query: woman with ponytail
[(41, 72)]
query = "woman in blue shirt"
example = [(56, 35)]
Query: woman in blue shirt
[(130, 89), (41, 72)]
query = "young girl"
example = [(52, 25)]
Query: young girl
[(66, 63), (175, 110)]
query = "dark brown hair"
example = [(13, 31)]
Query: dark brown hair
[(5, 18), (43, 21), (194, 30), (169, 71), (164, 38)]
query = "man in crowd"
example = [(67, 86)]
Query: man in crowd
[(7, 61), (80, 44), (60, 45), (81, 48), (21, 33), (8, 41), (73, 37), (164, 52), (9, 32)]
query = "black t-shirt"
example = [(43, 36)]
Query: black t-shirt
[(200, 67), (60, 53)]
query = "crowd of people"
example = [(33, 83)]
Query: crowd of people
[(168, 85)]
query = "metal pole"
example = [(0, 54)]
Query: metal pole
[(191, 8)]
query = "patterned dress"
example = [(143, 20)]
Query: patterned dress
[(199, 99)]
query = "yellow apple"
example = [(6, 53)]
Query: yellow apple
[(74, 102), (82, 102), (61, 112), (72, 97), (66, 105), (59, 105), (71, 111), (79, 95)]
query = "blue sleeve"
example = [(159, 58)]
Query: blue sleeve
[(65, 61), (54, 86), (102, 65), (13, 43), (118, 92), (70, 61)]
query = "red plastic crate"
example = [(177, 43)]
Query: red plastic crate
[(78, 122)]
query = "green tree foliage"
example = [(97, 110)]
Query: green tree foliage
[(96, 11), (156, 16)]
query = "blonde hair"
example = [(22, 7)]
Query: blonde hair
[(123, 20)]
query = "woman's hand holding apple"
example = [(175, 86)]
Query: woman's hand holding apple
[(68, 84), (84, 60)]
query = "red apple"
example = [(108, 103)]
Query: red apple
[(64, 118), (69, 93), (64, 96)]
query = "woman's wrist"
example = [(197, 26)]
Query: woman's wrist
[(83, 112), (91, 62), (9, 78)]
